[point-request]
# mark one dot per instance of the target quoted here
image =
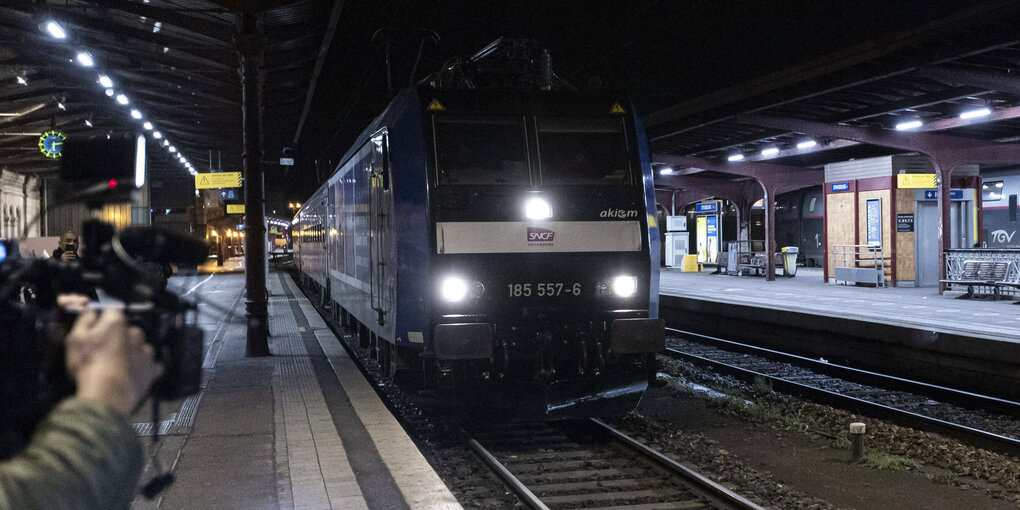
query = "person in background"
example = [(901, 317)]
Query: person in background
[(67, 250), (85, 454)]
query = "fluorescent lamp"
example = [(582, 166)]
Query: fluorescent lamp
[(109, 92), (666, 170), (157, 135), (735, 157), (105, 81), (147, 126), (139, 161), (56, 30), (973, 114), (910, 124), (807, 144), (88, 123), (22, 80), (61, 105), (172, 149), (122, 99), (85, 59), (771, 151), (135, 114)]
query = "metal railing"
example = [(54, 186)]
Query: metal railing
[(859, 263)]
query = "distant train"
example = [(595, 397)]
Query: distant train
[(494, 242), (999, 190)]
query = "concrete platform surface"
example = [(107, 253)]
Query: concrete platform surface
[(301, 429), (913, 307)]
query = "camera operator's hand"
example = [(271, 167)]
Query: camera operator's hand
[(68, 256), (109, 360)]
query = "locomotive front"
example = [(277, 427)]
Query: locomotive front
[(544, 287)]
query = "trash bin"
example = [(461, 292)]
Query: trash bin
[(790, 260)]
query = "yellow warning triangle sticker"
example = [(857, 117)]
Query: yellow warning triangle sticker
[(436, 106), (203, 181), (617, 109)]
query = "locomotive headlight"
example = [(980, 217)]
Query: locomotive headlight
[(624, 286), (537, 209), (454, 289)]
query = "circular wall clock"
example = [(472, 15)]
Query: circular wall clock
[(51, 143)]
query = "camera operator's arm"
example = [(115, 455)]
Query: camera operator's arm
[(85, 454)]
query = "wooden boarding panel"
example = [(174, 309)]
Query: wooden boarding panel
[(839, 217)]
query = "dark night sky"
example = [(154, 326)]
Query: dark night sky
[(662, 52)]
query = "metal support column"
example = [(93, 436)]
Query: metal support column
[(944, 203), (251, 42), (770, 233)]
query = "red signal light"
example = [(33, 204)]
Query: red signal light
[(113, 183)]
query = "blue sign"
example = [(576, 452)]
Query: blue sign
[(874, 221), (836, 187), (954, 194), (227, 194), (706, 207), (711, 226)]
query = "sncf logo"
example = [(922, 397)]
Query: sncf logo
[(540, 235)]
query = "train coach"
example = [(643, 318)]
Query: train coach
[(498, 241)]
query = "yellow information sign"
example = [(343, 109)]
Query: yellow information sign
[(218, 180), (918, 181), (235, 208), (436, 106), (616, 108)]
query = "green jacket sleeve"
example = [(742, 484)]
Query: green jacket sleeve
[(83, 455)]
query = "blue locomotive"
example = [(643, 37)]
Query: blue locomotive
[(496, 240)]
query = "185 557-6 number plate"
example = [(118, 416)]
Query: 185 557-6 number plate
[(544, 289)]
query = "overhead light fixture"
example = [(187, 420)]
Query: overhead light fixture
[(60, 105), (172, 149), (22, 80), (109, 92), (55, 30), (135, 114), (771, 151), (105, 81), (157, 26), (735, 157), (807, 144), (88, 123), (85, 58), (973, 114), (122, 99), (165, 142), (147, 126), (666, 170), (157, 135), (908, 125)]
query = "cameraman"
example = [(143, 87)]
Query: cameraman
[(67, 250), (85, 454)]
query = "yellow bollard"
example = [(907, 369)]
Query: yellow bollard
[(690, 264)]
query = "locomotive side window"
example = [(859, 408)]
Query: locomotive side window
[(583, 151), (991, 191), (481, 151)]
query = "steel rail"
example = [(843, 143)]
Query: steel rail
[(976, 437), (713, 488), (701, 484), (942, 393)]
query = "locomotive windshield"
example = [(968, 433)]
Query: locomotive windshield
[(583, 151), (481, 151)]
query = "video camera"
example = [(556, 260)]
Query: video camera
[(33, 377), (32, 357)]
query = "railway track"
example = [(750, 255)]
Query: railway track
[(983, 421), (588, 464)]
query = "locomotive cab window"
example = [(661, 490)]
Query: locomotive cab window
[(481, 151), (583, 151), (991, 191)]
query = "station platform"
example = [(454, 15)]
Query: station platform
[(964, 343), (300, 429)]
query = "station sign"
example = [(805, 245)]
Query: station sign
[(916, 181), (904, 222), (933, 194), (218, 180), (287, 161), (706, 207), (839, 187), (235, 208)]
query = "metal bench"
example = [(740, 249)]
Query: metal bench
[(992, 274)]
